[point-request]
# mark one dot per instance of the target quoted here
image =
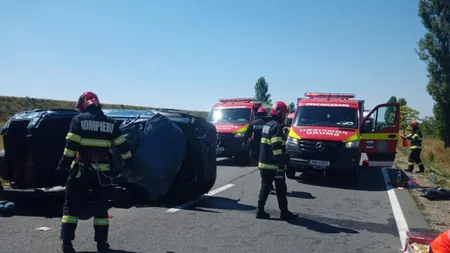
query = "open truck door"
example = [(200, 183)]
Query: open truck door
[(380, 135)]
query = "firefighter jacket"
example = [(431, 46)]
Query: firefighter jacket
[(255, 128), (272, 149), (416, 138), (89, 140)]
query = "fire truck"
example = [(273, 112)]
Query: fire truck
[(231, 118), (330, 131)]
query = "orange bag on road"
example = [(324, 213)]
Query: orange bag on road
[(442, 243)]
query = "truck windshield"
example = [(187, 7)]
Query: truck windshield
[(229, 115), (326, 116)]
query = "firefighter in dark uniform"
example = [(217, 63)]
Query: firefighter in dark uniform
[(272, 163), (416, 147), (253, 134), (87, 153)]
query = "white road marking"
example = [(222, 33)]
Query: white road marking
[(402, 226), (190, 203)]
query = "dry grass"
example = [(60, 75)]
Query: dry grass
[(11, 105), (435, 158)]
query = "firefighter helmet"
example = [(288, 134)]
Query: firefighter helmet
[(279, 108), (414, 123), (261, 110), (87, 99)]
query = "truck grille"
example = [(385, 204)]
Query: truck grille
[(310, 149)]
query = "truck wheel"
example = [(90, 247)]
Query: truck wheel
[(290, 173), (353, 175), (245, 158)]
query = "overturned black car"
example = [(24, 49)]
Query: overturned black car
[(174, 153)]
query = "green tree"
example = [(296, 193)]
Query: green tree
[(429, 126), (402, 101), (291, 107), (390, 111), (434, 50), (262, 90), (407, 114)]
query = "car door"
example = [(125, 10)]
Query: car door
[(380, 135)]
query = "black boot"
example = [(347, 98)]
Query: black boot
[(410, 168), (67, 247), (287, 215), (103, 247), (261, 214), (421, 168)]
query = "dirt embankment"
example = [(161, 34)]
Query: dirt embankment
[(437, 213)]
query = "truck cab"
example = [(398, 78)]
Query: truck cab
[(231, 118), (330, 131)]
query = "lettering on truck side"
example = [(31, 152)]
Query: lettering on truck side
[(323, 132)]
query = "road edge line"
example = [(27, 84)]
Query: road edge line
[(402, 226), (190, 203)]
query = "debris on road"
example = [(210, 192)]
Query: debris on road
[(418, 242), (6, 207), (43, 229), (436, 194)]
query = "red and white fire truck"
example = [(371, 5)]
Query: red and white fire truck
[(231, 118), (330, 131)]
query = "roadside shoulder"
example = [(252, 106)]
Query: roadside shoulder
[(420, 213)]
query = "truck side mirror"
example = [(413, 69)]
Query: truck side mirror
[(367, 126)]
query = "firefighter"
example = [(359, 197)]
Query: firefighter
[(253, 134), (416, 147), (87, 153), (272, 163)]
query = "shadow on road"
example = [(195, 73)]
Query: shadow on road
[(300, 195), (220, 203), (321, 227), (350, 226), (111, 251), (230, 162), (369, 180), (47, 208)]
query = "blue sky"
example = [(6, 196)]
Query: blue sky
[(188, 54)]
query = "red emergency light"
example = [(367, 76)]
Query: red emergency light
[(231, 100), (329, 95)]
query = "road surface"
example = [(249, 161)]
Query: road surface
[(333, 218)]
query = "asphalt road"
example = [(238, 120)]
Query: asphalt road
[(334, 217)]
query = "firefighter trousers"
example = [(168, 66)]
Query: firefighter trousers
[(267, 178), (414, 158), (83, 180)]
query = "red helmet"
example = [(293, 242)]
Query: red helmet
[(279, 108), (414, 123), (261, 109), (87, 99)]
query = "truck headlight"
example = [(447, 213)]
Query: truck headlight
[(238, 135), (292, 140), (352, 144)]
